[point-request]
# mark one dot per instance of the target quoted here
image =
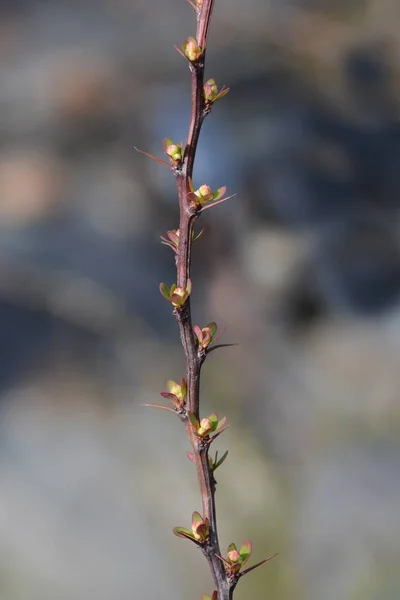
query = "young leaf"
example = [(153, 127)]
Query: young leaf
[(165, 291), (213, 327), (219, 193), (221, 460), (214, 420), (184, 533), (245, 551), (221, 423), (191, 457), (196, 517)]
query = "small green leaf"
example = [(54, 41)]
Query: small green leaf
[(196, 517), (222, 93), (221, 423), (167, 142), (221, 460), (165, 291), (213, 327), (219, 193), (183, 387), (214, 420), (245, 551), (184, 533), (172, 386), (231, 547)]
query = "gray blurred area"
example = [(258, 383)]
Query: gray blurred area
[(302, 267)]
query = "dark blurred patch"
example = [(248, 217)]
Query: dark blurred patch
[(302, 307), (13, 8), (358, 268), (368, 73), (32, 340), (353, 268), (324, 166)]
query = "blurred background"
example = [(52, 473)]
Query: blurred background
[(302, 267)]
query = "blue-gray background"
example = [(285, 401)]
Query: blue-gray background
[(302, 267)]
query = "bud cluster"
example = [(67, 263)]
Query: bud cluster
[(200, 530), (211, 93), (176, 295), (176, 394), (173, 151), (173, 238), (236, 559), (204, 194), (206, 336), (207, 426), (192, 50)]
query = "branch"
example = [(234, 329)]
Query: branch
[(185, 397), (194, 359)]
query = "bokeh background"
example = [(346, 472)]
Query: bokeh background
[(302, 267)]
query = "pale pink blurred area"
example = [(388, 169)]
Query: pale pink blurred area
[(302, 267)]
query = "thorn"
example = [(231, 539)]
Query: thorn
[(180, 51), (222, 558), (220, 346), (161, 407), (214, 437), (219, 334), (210, 205), (162, 162), (167, 243), (258, 564)]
